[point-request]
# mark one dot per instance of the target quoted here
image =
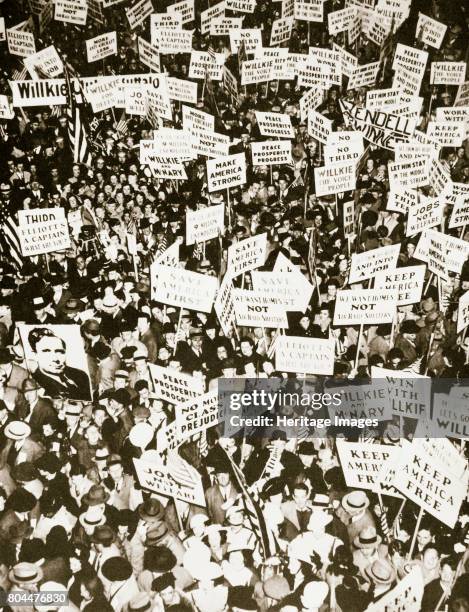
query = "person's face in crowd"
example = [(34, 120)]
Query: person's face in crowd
[(300, 497), (163, 354), (50, 354), (446, 576), (92, 434), (196, 342), (282, 184), (116, 471), (331, 292), (99, 416), (222, 353), (430, 559), (167, 595), (324, 315), (410, 249), (223, 479), (271, 191), (246, 349), (76, 171), (424, 537), (47, 430)]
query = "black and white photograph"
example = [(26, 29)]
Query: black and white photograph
[(234, 305)]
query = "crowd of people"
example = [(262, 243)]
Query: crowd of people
[(74, 517)]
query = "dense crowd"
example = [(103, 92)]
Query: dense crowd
[(74, 517)]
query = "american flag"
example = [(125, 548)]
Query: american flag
[(9, 241), (122, 127), (251, 509), (76, 127)]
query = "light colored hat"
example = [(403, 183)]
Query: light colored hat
[(314, 594), (198, 520), (381, 572), (25, 573), (355, 502), (368, 538), (52, 585), (141, 435), (93, 517), (17, 430)]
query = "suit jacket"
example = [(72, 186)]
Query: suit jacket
[(8, 520), (214, 502), (41, 412), (17, 377), (77, 385)]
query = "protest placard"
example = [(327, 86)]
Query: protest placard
[(136, 100), (71, 11), (185, 8), (407, 282), (408, 151), (3, 33), (362, 462), (203, 62), (368, 264), (344, 151), (381, 128), (450, 414), (241, 6), (6, 109), (172, 40), (224, 306), (382, 99), (310, 100), (313, 74), (286, 284), (250, 36), (460, 213), (177, 480), (447, 133), (204, 224), (430, 31), (363, 76), (103, 94), (173, 386), (410, 395), (196, 415), (275, 124), (335, 178), (359, 402), (149, 55), (101, 46), (281, 30), (212, 12), (247, 254), (20, 42), (427, 481), (408, 175), (256, 71), (138, 12), (269, 152), (197, 121), (184, 288), (454, 251), (304, 355), (341, 20), (447, 73), (182, 90), (406, 596), (43, 231), (222, 26), (212, 144), (46, 61), (368, 306), (253, 309), (309, 10), (348, 61), (462, 96), (319, 127), (348, 217), (227, 171), (427, 213)]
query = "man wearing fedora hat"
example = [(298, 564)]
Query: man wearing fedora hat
[(354, 513), (38, 409), (21, 446), (119, 582), (104, 546), (368, 548)]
